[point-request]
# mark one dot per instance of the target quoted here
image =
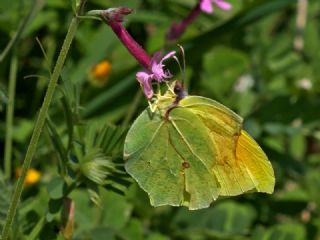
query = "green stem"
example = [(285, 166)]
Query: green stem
[(132, 109), (9, 115), (39, 126), (36, 230)]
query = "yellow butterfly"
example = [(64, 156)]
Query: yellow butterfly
[(189, 150)]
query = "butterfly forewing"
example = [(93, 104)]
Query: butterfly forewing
[(241, 163), (256, 162)]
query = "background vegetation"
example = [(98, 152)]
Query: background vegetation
[(257, 59)]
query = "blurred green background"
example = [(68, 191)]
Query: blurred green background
[(258, 59)]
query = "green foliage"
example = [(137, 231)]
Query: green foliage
[(246, 59), (227, 219)]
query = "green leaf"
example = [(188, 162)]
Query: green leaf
[(285, 231), (86, 213), (3, 98), (157, 236), (22, 130), (256, 11), (133, 230), (96, 166), (56, 188), (219, 76), (301, 108), (58, 144), (224, 220), (94, 193), (116, 212), (74, 4), (312, 181), (105, 138), (54, 208), (101, 233)]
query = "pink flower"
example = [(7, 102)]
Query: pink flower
[(156, 73), (206, 5)]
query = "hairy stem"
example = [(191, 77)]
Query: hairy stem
[(39, 126), (132, 109), (114, 17), (133, 47)]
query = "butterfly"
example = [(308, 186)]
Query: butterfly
[(189, 150)]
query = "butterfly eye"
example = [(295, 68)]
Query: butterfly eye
[(179, 91)]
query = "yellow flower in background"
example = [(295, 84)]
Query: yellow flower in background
[(33, 176), (99, 73)]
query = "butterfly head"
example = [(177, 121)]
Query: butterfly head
[(179, 91)]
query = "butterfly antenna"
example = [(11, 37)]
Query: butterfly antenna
[(181, 70), (177, 60), (184, 63)]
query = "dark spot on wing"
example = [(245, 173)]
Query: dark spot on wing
[(185, 165)]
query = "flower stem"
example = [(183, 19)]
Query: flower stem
[(9, 115), (37, 228), (132, 109), (133, 47), (113, 18), (177, 29), (39, 126)]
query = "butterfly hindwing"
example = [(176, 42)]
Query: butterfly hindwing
[(151, 166), (193, 143), (171, 159)]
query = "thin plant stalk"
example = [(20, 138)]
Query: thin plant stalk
[(132, 109), (36, 229), (36, 4), (9, 115), (39, 126), (177, 29)]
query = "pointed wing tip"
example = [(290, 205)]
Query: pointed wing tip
[(268, 188)]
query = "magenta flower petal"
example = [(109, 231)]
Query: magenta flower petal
[(156, 72), (156, 57), (147, 89), (145, 79), (142, 77), (169, 55), (223, 5), (159, 74), (206, 6)]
